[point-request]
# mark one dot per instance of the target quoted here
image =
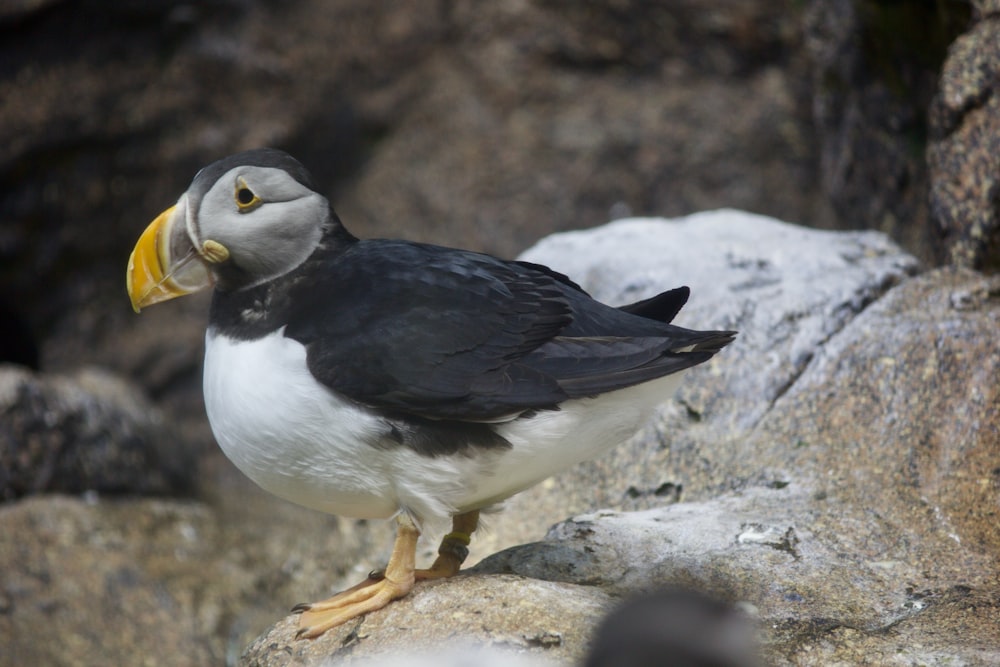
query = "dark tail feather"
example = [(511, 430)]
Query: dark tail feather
[(662, 307), (714, 341)]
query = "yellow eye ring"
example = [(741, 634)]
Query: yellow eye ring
[(245, 198)]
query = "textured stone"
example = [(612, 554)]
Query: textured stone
[(869, 481), (90, 584), (156, 582), (786, 289), (511, 614), (89, 432), (964, 155), (873, 70)]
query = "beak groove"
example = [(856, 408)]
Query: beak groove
[(163, 265)]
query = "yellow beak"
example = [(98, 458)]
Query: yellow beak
[(164, 265)]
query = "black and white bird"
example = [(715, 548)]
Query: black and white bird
[(384, 378)]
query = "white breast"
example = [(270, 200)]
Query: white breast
[(287, 432), (305, 443)]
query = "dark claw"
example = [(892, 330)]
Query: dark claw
[(376, 575), (301, 607), (302, 631)]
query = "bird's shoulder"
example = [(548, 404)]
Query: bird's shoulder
[(429, 330)]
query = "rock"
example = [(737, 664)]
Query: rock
[(514, 615), (153, 581), (89, 432), (866, 512), (786, 289), (99, 583), (556, 114), (872, 72), (964, 154), (790, 560)]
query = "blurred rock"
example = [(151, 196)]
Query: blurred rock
[(964, 153), (89, 432), (153, 582), (123, 584)]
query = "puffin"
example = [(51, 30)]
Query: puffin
[(378, 378)]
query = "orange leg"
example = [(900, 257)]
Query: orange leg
[(379, 589), (454, 548)]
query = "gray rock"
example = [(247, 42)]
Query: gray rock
[(873, 68), (867, 515), (89, 432), (786, 289), (94, 583)]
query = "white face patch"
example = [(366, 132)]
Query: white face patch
[(269, 239)]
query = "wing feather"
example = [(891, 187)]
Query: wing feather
[(449, 334)]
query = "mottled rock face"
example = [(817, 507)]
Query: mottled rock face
[(873, 70), (90, 432), (964, 154), (868, 492), (515, 615), (898, 414)]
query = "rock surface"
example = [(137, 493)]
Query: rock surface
[(964, 154), (153, 582), (873, 70), (515, 615), (90, 432)]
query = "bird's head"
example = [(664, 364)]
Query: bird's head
[(244, 220)]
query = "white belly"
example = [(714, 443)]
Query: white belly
[(289, 434), (305, 443)]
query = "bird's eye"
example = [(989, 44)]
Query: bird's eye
[(246, 200)]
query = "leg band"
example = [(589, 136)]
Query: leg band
[(456, 545)]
